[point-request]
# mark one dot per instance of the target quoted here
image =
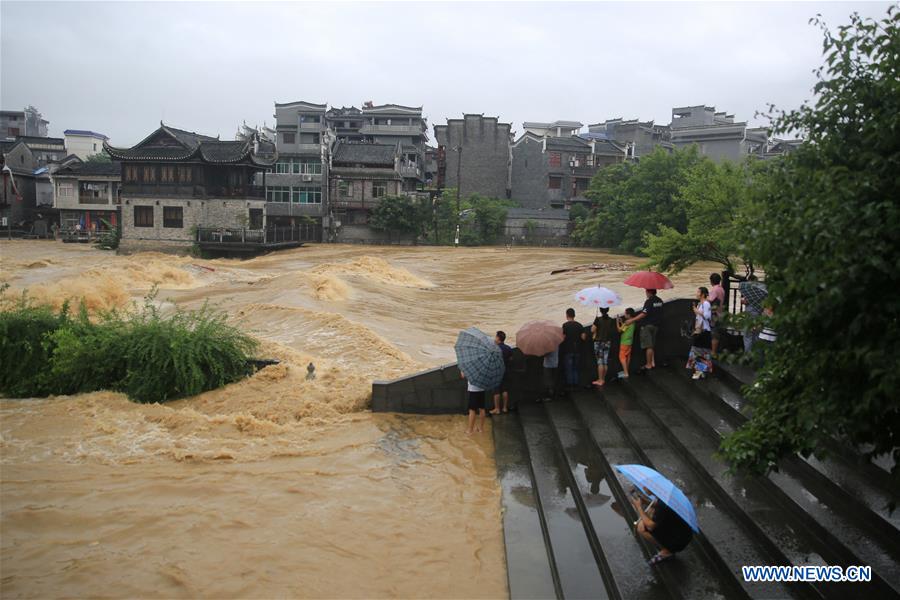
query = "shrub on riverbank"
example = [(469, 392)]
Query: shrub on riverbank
[(148, 356)]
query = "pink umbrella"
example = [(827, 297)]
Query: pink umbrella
[(649, 280), (537, 338)]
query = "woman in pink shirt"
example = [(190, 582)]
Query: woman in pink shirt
[(717, 301)]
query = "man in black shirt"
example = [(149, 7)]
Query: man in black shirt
[(650, 316), (569, 349)]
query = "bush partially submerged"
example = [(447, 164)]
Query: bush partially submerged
[(148, 356)]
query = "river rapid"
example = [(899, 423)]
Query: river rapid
[(276, 485)]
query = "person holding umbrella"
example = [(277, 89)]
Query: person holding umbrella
[(542, 338), (603, 330), (669, 520), (480, 363), (651, 314)]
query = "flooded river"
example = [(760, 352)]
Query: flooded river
[(276, 485)]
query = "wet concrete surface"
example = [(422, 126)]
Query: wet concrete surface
[(579, 573), (633, 578), (851, 543), (528, 563)]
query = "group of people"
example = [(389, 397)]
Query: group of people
[(596, 341), (563, 367)]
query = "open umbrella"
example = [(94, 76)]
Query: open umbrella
[(649, 280), (598, 297), (537, 338), (479, 358), (645, 477), (755, 293)]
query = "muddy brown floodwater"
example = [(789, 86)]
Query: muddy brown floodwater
[(275, 486)]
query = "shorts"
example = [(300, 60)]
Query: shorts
[(601, 349), (624, 355), (648, 336), (476, 401)]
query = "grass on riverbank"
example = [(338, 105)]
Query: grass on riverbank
[(148, 356)]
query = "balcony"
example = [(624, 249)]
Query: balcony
[(584, 171), (311, 127), (166, 190), (370, 129), (410, 171)]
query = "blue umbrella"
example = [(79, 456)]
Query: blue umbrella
[(645, 477), (479, 358)]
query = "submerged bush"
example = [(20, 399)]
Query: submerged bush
[(148, 356)]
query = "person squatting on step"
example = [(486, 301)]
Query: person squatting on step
[(662, 527)]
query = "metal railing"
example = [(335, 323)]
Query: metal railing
[(270, 236)]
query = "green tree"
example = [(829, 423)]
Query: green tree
[(100, 157), (398, 215), (830, 247), (634, 199), (717, 200)]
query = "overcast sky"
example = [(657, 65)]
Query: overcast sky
[(119, 68)]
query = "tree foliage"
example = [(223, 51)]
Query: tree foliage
[(100, 157), (830, 246), (634, 199), (717, 202), (399, 215)]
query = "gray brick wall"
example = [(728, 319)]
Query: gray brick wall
[(195, 213), (530, 170), (485, 154)]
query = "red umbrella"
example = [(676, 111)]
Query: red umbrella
[(649, 280), (537, 338)]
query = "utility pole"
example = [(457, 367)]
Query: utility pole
[(458, 170)]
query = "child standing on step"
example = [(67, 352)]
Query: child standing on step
[(626, 340)]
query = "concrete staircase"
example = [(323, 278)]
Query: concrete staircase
[(568, 524)]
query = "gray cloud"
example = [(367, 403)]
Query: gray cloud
[(119, 68)]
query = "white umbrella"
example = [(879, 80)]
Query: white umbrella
[(598, 297)]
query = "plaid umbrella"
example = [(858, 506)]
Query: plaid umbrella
[(479, 358), (755, 293)]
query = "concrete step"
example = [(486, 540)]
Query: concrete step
[(578, 568), (529, 559), (847, 529), (731, 533), (602, 500)]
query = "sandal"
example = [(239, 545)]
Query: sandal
[(658, 558)]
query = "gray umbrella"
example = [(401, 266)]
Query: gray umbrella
[(479, 358), (755, 293)]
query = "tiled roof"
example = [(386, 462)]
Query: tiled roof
[(105, 169), (567, 143), (36, 139), (190, 145), (367, 154)]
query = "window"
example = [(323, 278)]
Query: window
[(131, 173), (150, 174), (289, 138), (307, 195), (167, 174), (278, 193), (555, 183), (379, 189), (185, 174), (311, 167), (344, 189), (173, 217), (555, 159), (66, 190), (143, 216), (95, 147)]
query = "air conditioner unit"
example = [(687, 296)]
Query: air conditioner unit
[(307, 178)]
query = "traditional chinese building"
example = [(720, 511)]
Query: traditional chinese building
[(180, 188), (87, 198)]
